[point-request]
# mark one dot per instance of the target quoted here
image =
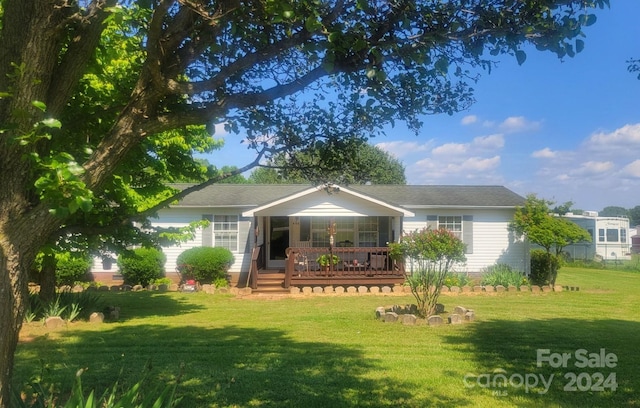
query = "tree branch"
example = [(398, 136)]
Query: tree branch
[(84, 40)]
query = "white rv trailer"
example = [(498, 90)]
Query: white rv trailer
[(610, 238)]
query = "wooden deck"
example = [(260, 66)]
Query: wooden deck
[(356, 266)]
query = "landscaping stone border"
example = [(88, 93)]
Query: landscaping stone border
[(384, 290), (406, 314)]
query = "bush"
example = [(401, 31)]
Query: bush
[(141, 266), (502, 274), (71, 268), (38, 394), (205, 264), (544, 267), (456, 279), (69, 306)]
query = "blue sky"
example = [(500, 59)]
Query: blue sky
[(566, 130)]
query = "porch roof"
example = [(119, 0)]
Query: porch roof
[(314, 201)]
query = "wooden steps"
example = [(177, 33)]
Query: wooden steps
[(271, 282)]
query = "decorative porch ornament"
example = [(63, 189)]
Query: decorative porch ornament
[(332, 231)]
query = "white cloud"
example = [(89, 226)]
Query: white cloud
[(517, 124), (545, 153), (474, 164), (219, 130), (593, 168), (626, 137), (632, 169), (489, 142), (451, 149), (401, 148), (469, 119)]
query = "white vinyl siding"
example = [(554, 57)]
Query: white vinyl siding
[(242, 236), (491, 242)]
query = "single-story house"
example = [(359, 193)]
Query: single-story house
[(279, 232)]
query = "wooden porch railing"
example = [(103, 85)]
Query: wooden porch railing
[(257, 262), (371, 264)]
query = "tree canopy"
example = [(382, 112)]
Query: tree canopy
[(536, 221), (100, 99), (359, 163), (539, 225)]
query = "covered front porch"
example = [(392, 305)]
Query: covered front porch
[(325, 238)]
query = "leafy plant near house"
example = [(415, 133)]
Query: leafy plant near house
[(205, 264), (432, 255), (502, 274), (40, 395), (456, 279), (325, 260), (71, 268), (69, 306), (544, 267), (535, 222), (142, 265)]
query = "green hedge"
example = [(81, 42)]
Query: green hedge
[(71, 268), (141, 266), (205, 264), (544, 267)]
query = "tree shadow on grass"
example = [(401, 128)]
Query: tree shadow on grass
[(145, 304), (511, 348), (228, 366)]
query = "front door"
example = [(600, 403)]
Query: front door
[(277, 242)]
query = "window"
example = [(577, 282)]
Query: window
[(601, 235), (225, 232), (368, 232), (612, 235), (452, 223), (350, 231), (623, 235)]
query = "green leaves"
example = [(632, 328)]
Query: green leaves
[(60, 185), (521, 57), (588, 19), (534, 221)]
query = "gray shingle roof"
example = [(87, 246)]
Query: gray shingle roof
[(407, 196)]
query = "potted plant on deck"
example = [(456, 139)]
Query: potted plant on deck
[(326, 260)]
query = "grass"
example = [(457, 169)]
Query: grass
[(320, 351)]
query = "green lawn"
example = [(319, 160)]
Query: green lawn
[(329, 351)]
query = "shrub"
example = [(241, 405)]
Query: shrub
[(162, 281), (221, 283), (456, 279), (205, 264), (141, 266), (434, 253), (502, 274), (38, 394), (544, 267), (71, 268), (69, 306)]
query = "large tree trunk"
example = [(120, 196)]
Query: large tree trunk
[(13, 298), (48, 278)]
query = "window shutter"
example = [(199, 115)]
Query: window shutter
[(207, 233), (467, 232), (432, 222)]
